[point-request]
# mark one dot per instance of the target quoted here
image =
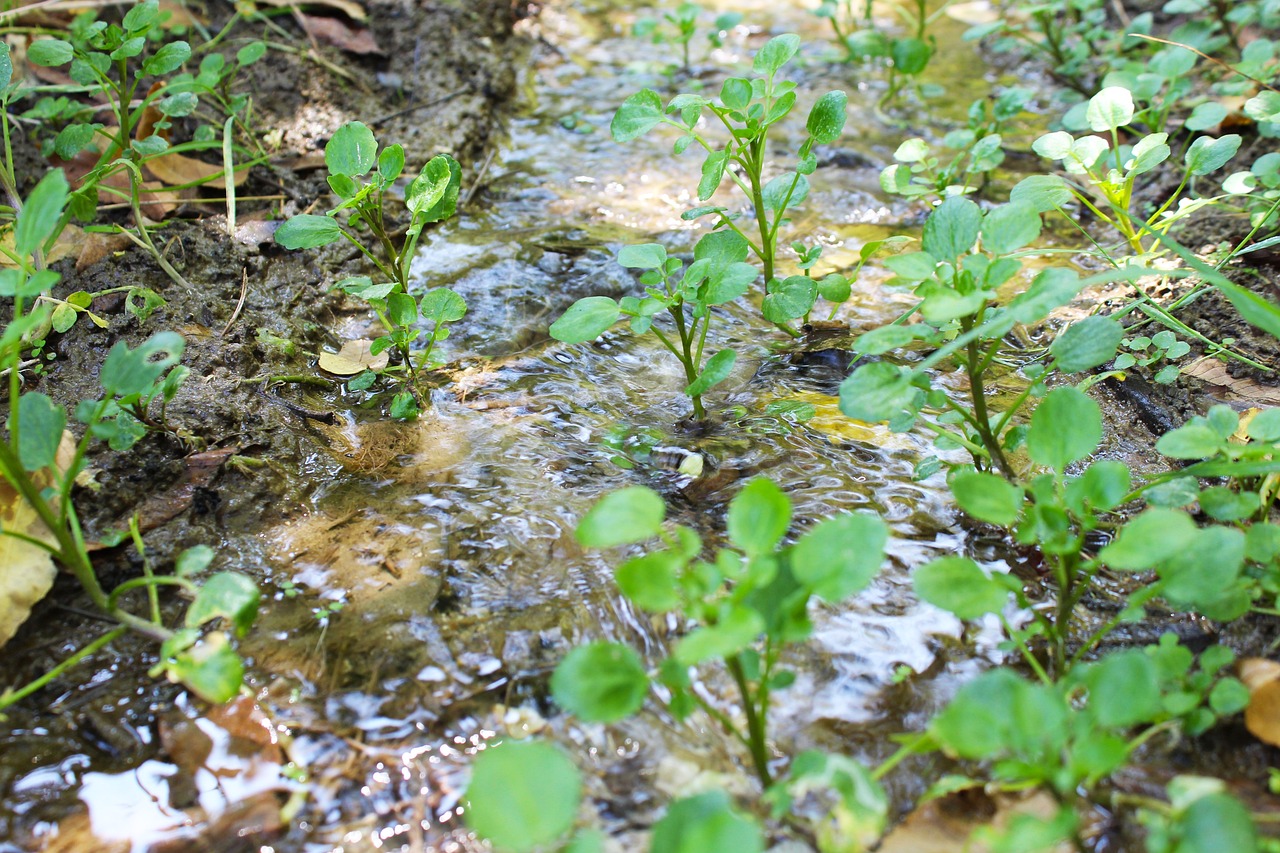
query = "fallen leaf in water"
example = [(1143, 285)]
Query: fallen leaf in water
[(838, 427), (354, 357), (352, 10), (1262, 716), (1237, 388), (977, 12), (340, 34), (26, 570)]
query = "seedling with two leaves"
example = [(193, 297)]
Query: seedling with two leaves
[(363, 178)]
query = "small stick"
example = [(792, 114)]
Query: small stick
[(244, 290), (1212, 59), (475, 185), (436, 102)]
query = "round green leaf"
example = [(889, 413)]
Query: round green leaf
[(1066, 427), (352, 150), (1110, 109), (600, 682), (40, 425), (523, 795), (703, 824), (1087, 344), (638, 115), (716, 370), (987, 497), (878, 392), (959, 586), (651, 582), (1010, 227), (827, 118), (776, 53), (840, 555), (789, 298), (628, 515), (307, 231), (952, 228), (168, 58), (586, 320), (50, 53), (759, 517), (442, 305)]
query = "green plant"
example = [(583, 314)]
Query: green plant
[(905, 58), (747, 108), (748, 603), (1104, 173), (719, 273), (1258, 191), (40, 461), (680, 26), (112, 61), (1149, 351), (362, 177)]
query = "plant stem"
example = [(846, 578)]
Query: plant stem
[(755, 722), (32, 686)]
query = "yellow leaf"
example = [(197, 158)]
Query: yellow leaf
[(26, 570), (838, 427), (1262, 716), (354, 357)]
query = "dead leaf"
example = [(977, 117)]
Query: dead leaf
[(352, 10), (1242, 389), (941, 825), (354, 357), (180, 15), (176, 170), (831, 422), (164, 507), (340, 34), (98, 246), (69, 243), (1262, 716), (26, 570)]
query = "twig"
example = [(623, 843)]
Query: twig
[(244, 289), (60, 6), (475, 184), (1204, 55), (437, 101)]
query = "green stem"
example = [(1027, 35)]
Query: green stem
[(26, 690), (755, 722)]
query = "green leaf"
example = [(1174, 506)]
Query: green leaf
[(840, 555), (600, 682), (210, 667), (442, 305), (644, 256), (1087, 344), (127, 371), (958, 585), (586, 320), (1010, 227), (1264, 107), (1124, 689), (759, 517), (1150, 152), (910, 55), (712, 174), (63, 318), (1066, 427), (735, 93), (776, 53), (717, 370), (6, 66), (523, 795), (391, 164), (307, 231), (168, 58), (628, 515), (1103, 486), (914, 266), (40, 213), (50, 53), (40, 425), (1209, 155), (1042, 193), (434, 193), (705, 823), (638, 115), (402, 310), (1051, 289), (193, 560), (1222, 503), (1216, 823), (952, 228), (1265, 426), (1195, 440), (987, 497), (1110, 109), (650, 581), (789, 189), (1199, 575), (827, 118), (879, 392), (141, 16), (737, 628), (789, 298), (1150, 538), (351, 151), (227, 595)]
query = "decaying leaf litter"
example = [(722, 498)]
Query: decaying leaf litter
[(424, 577)]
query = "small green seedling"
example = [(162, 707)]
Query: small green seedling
[(363, 177), (1147, 352), (747, 109), (681, 26)]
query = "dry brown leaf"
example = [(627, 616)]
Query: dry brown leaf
[(180, 15), (26, 570), (69, 243), (176, 169), (354, 357), (352, 10), (1240, 388), (98, 246), (1262, 716), (340, 34)]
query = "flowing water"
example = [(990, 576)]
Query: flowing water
[(427, 581)]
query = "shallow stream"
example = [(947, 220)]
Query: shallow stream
[(427, 580)]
